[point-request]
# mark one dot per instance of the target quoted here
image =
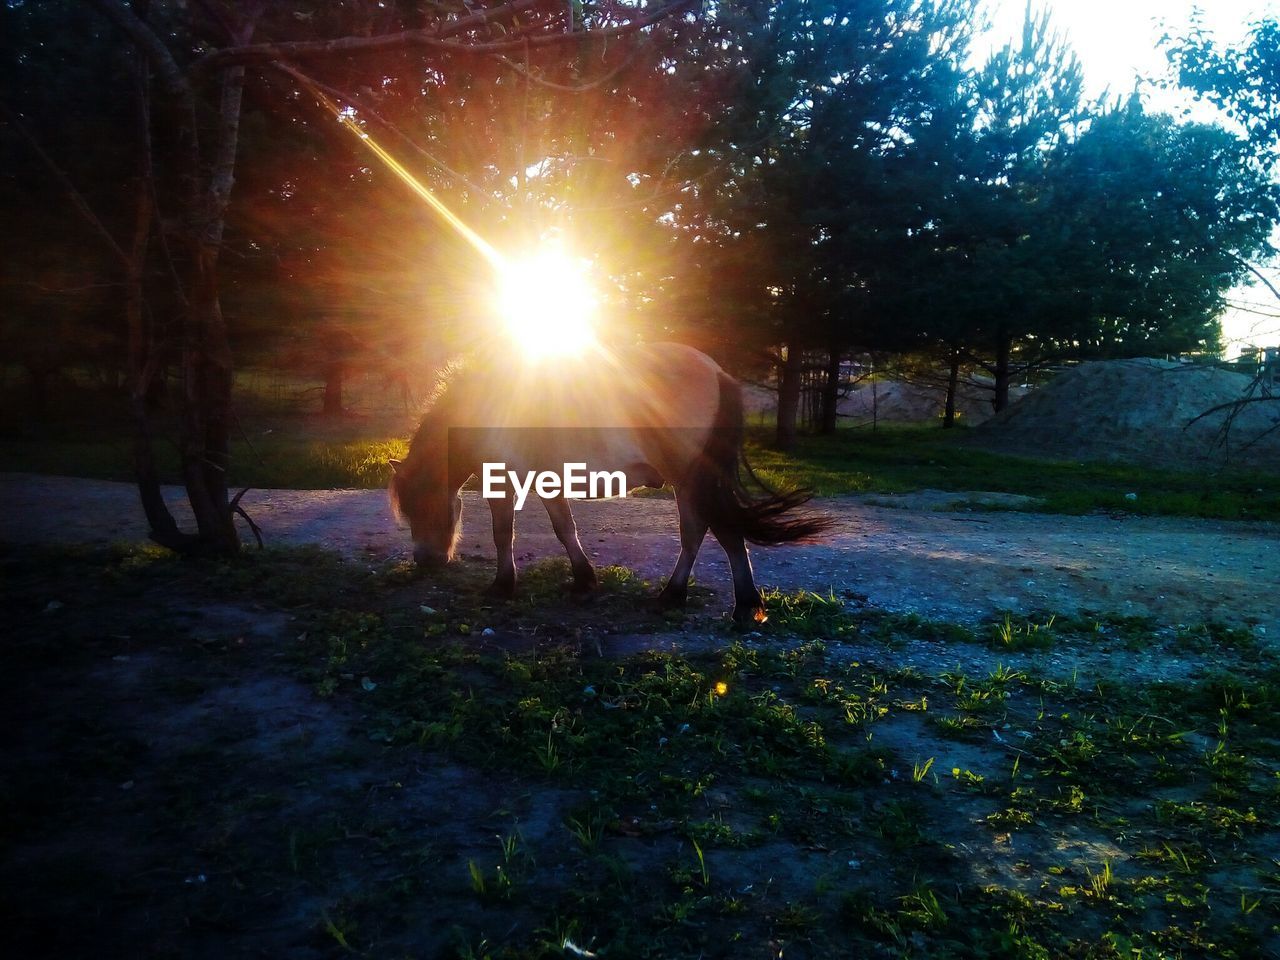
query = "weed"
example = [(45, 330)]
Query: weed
[(808, 614), (588, 831), (1008, 635), (702, 863), (1100, 882), (338, 934), (548, 754), (922, 909), (479, 885)]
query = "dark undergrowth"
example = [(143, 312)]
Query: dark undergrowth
[(306, 756)]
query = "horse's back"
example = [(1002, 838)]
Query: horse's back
[(651, 405), (658, 385)]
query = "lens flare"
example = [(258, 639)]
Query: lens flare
[(546, 301), (548, 305)]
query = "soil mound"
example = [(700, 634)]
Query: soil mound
[(1142, 411)]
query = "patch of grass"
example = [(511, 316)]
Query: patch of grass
[(1010, 634), (901, 460), (808, 614)]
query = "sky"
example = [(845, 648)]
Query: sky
[(1116, 41)]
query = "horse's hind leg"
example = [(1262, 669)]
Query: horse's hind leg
[(584, 575), (748, 604), (504, 540), (693, 529)]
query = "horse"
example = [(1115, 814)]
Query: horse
[(660, 413)]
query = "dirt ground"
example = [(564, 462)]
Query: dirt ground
[(200, 772), (915, 553)]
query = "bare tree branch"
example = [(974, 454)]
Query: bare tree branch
[(363, 108), (569, 88), (1233, 405), (146, 40), (430, 39), (1258, 273), (344, 46)]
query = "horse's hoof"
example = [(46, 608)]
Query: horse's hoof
[(745, 616), (501, 590), (585, 584), (668, 599)]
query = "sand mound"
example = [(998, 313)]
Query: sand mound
[(1140, 411)]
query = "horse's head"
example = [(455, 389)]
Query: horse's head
[(421, 493)]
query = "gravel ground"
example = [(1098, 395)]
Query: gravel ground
[(905, 554)]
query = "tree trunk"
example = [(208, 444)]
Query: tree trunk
[(953, 384), (334, 372), (143, 367), (1003, 374), (206, 362), (205, 444), (144, 356), (206, 351), (788, 398), (831, 395)]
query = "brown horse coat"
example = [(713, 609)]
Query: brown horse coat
[(660, 412)]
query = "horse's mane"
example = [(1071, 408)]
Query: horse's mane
[(446, 376)]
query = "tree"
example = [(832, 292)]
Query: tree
[(197, 56), (795, 186), (1001, 129), (1065, 232), (1243, 82), (1156, 221)]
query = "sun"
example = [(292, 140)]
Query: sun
[(548, 305)]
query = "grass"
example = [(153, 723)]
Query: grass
[(765, 796), (906, 459), (276, 446)]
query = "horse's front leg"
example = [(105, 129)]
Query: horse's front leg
[(504, 541), (693, 529), (584, 575)]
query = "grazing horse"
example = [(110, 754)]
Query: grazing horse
[(661, 413)]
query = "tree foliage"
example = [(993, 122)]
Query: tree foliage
[(783, 184)]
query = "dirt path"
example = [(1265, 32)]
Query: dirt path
[(938, 563)]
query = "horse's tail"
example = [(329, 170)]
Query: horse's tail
[(719, 484)]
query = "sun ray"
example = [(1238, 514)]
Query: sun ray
[(545, 301)]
